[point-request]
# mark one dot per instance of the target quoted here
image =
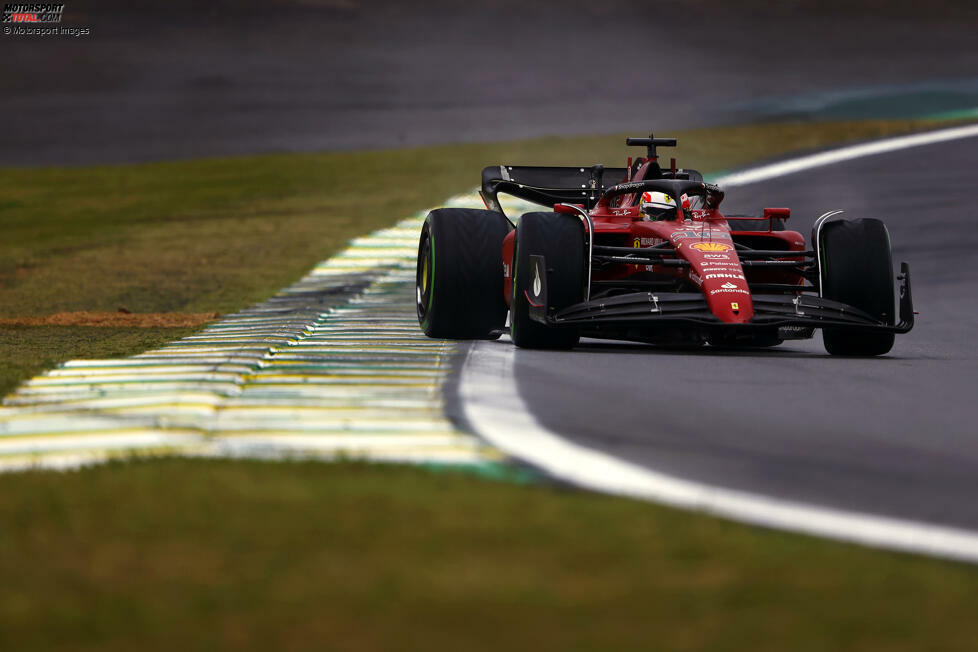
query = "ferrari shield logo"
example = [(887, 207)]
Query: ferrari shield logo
[(711, 246)]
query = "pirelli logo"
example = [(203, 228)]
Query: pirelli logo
[(15, 12)]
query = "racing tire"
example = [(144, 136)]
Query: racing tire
[(459, 286), (857, 268), (560, 239)]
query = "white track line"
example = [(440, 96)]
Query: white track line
[(496, 411), (783, 168)]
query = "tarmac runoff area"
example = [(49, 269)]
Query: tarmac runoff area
[(336, 366)]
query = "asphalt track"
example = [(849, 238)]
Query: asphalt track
[(178, 79), (895, 436)]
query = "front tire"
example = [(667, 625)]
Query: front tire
[(459, 283), (560, 239), (856, 266)]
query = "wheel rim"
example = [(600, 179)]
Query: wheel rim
[(424, 280)]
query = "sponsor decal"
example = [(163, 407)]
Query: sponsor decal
[(734, 306), (505, 270), (690, 233), (728, 291), (646, 242), (711, 246), (620, 211), (632, 185), (728, 285), (717, 256), (740, 276), (793, 329), (537, 284)]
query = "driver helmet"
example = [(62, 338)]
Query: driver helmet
[(658, 206)]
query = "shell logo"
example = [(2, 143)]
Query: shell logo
[(711, 246)]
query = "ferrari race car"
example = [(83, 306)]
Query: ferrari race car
[(643, 253)]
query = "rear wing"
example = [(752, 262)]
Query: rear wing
[(549, 185)]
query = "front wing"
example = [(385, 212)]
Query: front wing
[(770, 310)]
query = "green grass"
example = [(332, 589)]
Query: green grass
[(219, 234), (195, 554), (26, 351)]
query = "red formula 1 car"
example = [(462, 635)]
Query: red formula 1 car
[(649, 257)]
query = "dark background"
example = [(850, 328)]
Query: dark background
[(182, 79)]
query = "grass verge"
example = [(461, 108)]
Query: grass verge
[(199, 554), (216, 235), (26, 351)]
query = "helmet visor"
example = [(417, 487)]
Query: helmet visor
[(657, 211)]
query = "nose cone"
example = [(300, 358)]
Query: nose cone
[(730, 301), (717, 271)]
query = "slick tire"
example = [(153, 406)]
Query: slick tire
[(460, 274), (857, 268), (560, 239)]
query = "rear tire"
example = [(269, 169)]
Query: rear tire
[(560, 239), (857, 268), (460, 274)]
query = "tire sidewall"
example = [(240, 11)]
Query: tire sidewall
[(856, 268), (560, 239), (464, 274)]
